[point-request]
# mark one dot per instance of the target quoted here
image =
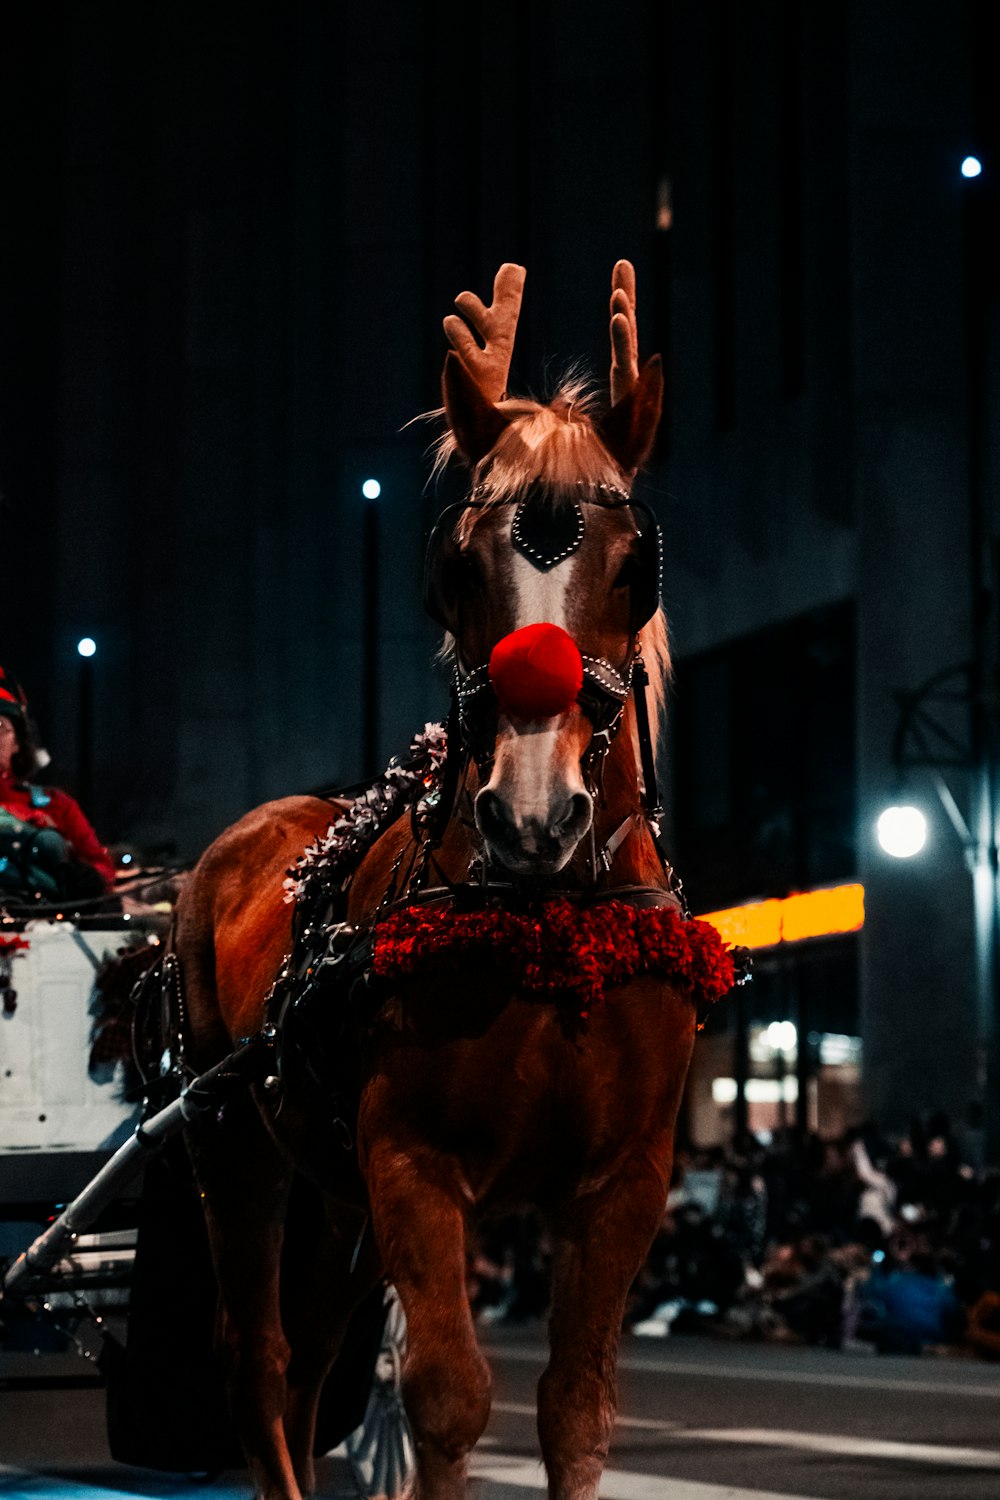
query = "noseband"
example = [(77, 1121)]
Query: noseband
[(602, 698)]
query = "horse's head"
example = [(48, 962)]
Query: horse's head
[(544, 576)]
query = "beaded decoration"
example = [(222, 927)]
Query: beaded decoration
[(331, 861)]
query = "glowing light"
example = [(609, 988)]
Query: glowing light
[(902, 831), (971, 166), (126, 859), (810, 914), (87, 646), (757, 1090), (782, 1036), (371, 489), (838, 1051)]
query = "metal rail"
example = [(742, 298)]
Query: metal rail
[(203, 1093)]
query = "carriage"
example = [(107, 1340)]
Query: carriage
[(477, 985), (60, 1118), (108, 1290)]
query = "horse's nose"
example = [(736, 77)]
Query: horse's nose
[(565, 825), (575, 818), (494, 819)]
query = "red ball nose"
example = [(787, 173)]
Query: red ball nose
[(536, 672)]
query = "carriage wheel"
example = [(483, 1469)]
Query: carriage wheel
[(381, 1449)]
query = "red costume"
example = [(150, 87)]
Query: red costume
[(60, 811)]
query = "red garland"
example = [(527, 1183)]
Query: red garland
[(559, 948), (13, 944)]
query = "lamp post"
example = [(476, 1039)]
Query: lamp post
[(927, 734), (86, 650), (371, 489), (984, 667), (926, 739)]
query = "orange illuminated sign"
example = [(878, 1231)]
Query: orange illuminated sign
[(809, 914)]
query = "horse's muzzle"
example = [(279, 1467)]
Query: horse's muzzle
[(533, 845)]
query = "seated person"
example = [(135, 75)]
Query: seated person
[(48, 850), (908, 1306)]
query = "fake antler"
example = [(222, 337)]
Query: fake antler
[(624, 331), (496, 326), (629, 428)]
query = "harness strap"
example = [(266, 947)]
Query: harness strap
[(473, 895), (454, 765), (651, 795), (618, 838)]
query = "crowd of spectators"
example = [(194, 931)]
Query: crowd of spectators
[(860, 1243)]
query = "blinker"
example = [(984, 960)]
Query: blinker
[(545, 534)]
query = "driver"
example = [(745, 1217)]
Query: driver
[(47, 847)]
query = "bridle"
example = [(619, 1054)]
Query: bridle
[(602, 699), (606, 685)]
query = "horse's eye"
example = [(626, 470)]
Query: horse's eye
[(626, 574)]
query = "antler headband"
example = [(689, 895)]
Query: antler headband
[(496, 326)]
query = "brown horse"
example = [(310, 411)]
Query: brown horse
[(474, 1094)]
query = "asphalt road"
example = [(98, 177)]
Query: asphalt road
[(699, 1420)]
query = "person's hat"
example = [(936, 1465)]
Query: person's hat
[(13, 704)]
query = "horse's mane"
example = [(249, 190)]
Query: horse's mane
[(655, 643), (553, 443), (556, 444)]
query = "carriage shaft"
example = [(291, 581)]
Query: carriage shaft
[(202, 1093)]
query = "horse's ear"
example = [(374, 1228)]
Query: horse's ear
[(629, 428), (476, 423)]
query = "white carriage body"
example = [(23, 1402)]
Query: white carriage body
[(49, 1102)]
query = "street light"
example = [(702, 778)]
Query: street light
[(950, 725), (902, 831)]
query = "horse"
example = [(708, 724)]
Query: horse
[(474, 1091)]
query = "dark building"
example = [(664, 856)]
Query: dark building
[(229, 237)]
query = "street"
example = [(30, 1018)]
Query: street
[(698, 1420)]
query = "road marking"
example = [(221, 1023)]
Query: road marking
[(526, 1354), (813, 1442), (621, 1484), (644, 1424), (851, 1447)]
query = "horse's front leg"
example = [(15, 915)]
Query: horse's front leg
[(245, 1185), (600, 1244), (419, 1219)]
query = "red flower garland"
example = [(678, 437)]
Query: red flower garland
[(558, 948), (13, 944)]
